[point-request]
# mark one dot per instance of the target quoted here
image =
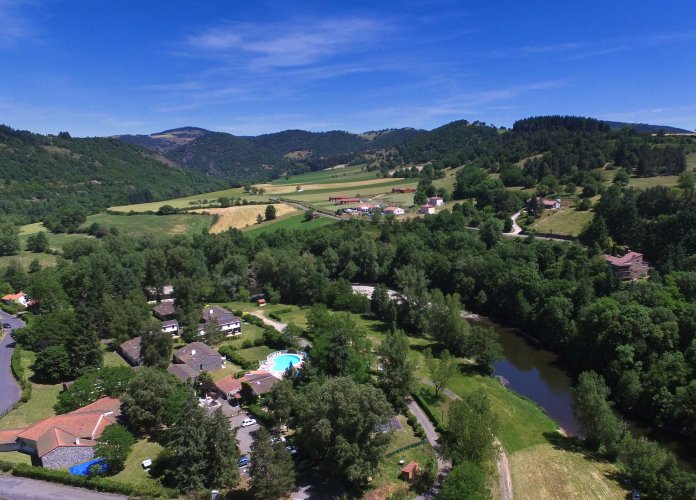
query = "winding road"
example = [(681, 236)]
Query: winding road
[(9, 389)]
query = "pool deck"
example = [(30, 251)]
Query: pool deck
[(268, 365)]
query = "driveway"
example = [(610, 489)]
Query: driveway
[(9, 390), (245, 438), (21, 488)]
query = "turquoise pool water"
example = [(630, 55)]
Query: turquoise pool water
[(82, 469), (281, 363)]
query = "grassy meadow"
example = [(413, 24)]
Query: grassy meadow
[(565, 221)]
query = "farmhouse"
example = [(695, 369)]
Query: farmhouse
[(403, 190), (20, 299), (436, 201), (348, 201), (64, 440), (426, 209), (199, 357), (394, 211), (130, 350), (228, 322), (551, 204), (631, 266), (366, 207)]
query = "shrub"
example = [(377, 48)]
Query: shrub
[(274, 316), (18, 372)]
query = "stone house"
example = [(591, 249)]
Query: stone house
[(199, 357)]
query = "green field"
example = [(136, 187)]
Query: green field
[(648, 182), (191, 201), (345, 174), (133, 472), (255, 354), (291, 223), (566, 221), (154, 225)]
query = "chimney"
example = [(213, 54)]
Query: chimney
[(211, 311), (193, 352), (77, 441)]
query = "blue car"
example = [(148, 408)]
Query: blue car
[(243, 461)]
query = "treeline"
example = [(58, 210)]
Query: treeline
[(41, 174)]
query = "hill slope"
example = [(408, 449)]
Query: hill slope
[(645, 127), (39, 174), (166, 140)]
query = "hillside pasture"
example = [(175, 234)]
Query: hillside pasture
[(191, 201), (334, 175), (566, 222), (289, 222), (155, 225), (273, 189), (242, 216)]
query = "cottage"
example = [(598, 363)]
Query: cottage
[(410, 471), (394, 211), (183, 372), (130, 350), (551, 204), (631, 266), (436, 201), (229, 387), (228, 322), (20, 299), (199, 357), (165, 311), (171, 326), (426, 209), (348, 201), (64, 440)]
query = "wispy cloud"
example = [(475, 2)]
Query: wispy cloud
[(288, 44), (15, 25)]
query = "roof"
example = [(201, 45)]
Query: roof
[(182, 372), (229, 384), (165, 308), (261, 382), (14, 296), (625, 260), (390, 209), (8, 436), (78, 428), (435, 198), (131, 348), (427, 206), (409, 467), (170, 322), (194, 353), (222, 315)]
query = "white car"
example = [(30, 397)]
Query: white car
[(248, 421)]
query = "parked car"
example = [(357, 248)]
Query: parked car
[(635, 495), (292, 450), (275, 439), (7, 326), (244, 460), (248, 422)]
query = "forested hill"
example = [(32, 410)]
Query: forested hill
[(264, 157), (644, 127), (39, 174)]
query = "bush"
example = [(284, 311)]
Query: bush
[(259, 342), (261, 415), (18, 372), (232, 355), (275, 316), (428, 412), (247, 344)]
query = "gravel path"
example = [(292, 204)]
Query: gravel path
[(443, 465)]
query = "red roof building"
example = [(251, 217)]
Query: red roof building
[(630, 266)]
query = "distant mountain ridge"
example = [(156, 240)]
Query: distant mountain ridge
[(167, 140), (645, 127)]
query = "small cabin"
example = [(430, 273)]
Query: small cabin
[(410, 471)]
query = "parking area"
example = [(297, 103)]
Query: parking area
[(245, 438)]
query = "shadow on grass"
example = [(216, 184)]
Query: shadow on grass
[(574, 444)]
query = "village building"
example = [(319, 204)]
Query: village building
[(229, 324), (337, 197), (183, 372), (64, 440), (165, 311), (394, 211), (436, 201), (630, 266), (348, 201), (228, 388), (130, 351), (426, 209), (199, 357), (20, 299), (551, 204), (259, 382)]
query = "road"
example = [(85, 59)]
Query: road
[(21, 488), (9, 389), (515, 228), (443, 465)]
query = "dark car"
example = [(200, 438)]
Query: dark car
[(7, 326), (635, 495), (243, 461)]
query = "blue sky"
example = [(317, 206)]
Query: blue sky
[(102, 67)]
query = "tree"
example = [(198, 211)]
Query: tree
[(272, 471), (204, 384), (490, 231), (270, 212), (213, 332), (188, 446), (114, 445), (281, 399), (222, 453), (110, 381), (259, 219), (9, 239), (441, 370), (340, 345), (308, 215), (596, 233), (397, 371), (156, 347), (84, 349), (224, 202), (604, 432), (652, 468), (380, 302), (38, 242), (447, 325), (482, 344), (52, 364), (471, 427), (347, 447), (466, 481), (153, 399), (420, 198)]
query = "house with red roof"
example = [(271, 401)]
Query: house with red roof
[(394, 211), (64, 440), (20, 299), (630, 266)]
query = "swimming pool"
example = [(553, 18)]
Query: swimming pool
[(83, 469), (282, 362)]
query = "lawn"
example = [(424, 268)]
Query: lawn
[(648, 182), (565, 221), (158, 225), (402, 437), (249, 332), (133, 472), (289, 313), (191, 201), (288, 222), (112, 358), (547, 471), (388, 480), (43, 397), (25, 259), (16, 457), (255, 354)]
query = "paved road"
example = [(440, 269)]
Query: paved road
[(20, 488), (9, 390), (443, 465)]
